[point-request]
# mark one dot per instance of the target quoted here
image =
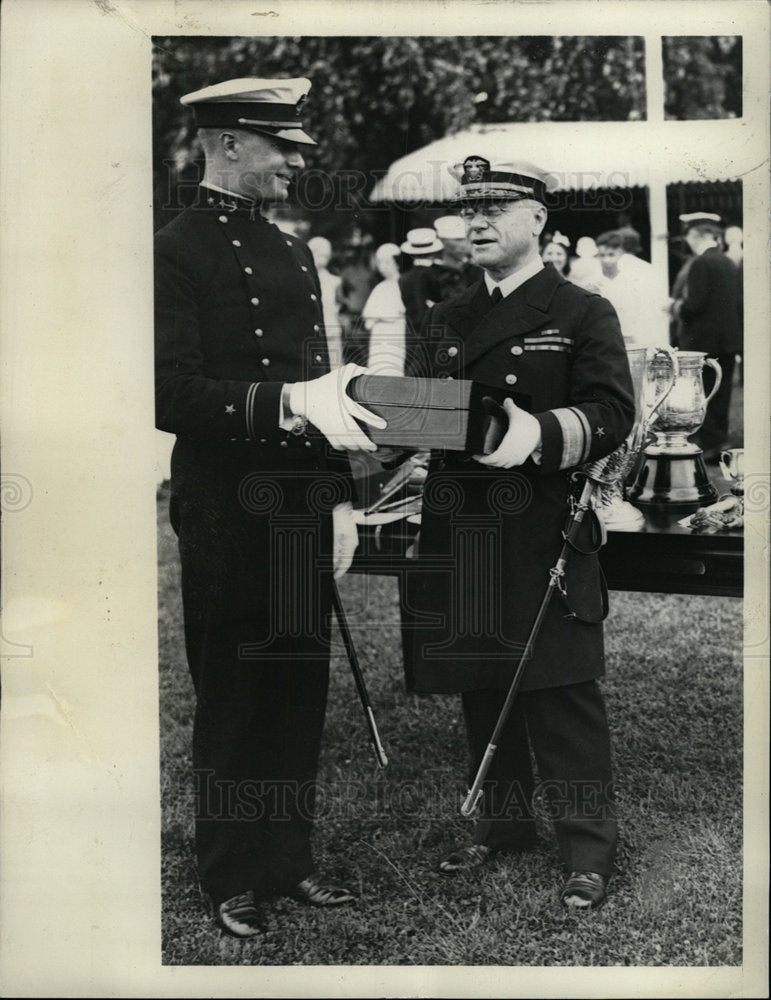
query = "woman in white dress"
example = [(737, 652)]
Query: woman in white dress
[(384, 316)]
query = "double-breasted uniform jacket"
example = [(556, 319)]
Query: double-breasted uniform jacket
[(490, 536), (710, 317), (238, 314), (422, 288)]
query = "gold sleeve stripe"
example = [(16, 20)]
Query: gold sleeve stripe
[(251, 392), (576, 436)]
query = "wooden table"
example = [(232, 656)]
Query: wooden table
[(660, 558)]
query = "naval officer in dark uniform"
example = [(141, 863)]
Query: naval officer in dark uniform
[(243, 381), (707, 305), (492, 529)]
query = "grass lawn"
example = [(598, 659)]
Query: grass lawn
[(674, 696)]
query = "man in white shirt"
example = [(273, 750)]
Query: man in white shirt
[(629, 283)]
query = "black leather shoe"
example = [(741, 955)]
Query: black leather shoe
[(584, 891), (240, 916), (316, 893), (466, 859)]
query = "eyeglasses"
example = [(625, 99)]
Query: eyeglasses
[(488, 210)]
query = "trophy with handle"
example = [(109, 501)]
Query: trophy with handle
[(609, 500), (672, 478)]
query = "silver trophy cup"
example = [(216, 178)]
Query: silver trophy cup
[(672, 478), (610, 502)]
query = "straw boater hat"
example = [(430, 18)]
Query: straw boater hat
[(270, 107), (422, 241)]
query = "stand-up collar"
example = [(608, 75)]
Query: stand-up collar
[(211, 196)]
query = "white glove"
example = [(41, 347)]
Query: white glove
[(325, 402), (519, 442), (346, 538)]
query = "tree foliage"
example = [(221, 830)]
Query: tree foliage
[(702, 77), (375, 99)]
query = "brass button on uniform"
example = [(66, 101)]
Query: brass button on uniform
[(258, 333), (248, 270), (511, 379), (236, 243), (316, 327), (516, 350), (223, 218), (289, 243), (255, 301), (265, 362), (313, 298), (452, 351), (318, 358), (284, 444), (303, 267)]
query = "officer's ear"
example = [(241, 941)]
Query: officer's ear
[(229, 143), (539, 219)]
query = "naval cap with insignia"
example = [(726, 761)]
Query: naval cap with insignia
[(709, 219), (510, 180), (271, 107)]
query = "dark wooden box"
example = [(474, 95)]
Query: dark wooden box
[(426, 413)]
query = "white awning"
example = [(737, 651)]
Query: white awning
[(581, 155)]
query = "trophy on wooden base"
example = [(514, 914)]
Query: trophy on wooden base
[(673, 478)]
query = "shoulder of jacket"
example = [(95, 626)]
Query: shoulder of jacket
[(187, 230), (569, 295)]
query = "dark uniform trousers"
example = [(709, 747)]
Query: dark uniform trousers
[(568, 731), (261, 685)]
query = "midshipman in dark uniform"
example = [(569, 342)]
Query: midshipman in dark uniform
[(243, 380), (492, 529)]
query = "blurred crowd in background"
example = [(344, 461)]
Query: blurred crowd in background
[(376, 297)]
